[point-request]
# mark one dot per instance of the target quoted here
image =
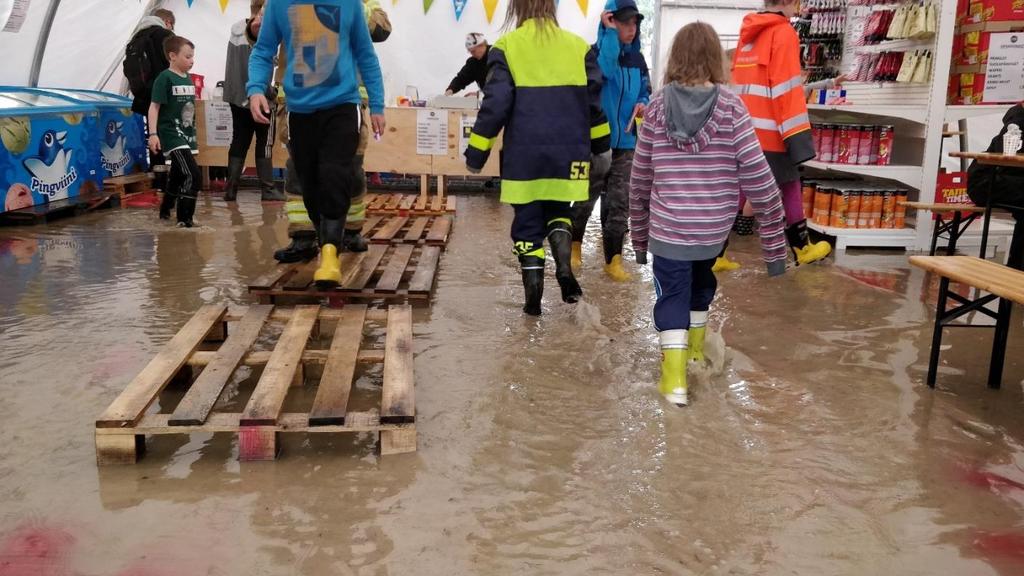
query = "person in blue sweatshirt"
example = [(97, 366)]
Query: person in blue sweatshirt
[(626, 91), (328, 48)]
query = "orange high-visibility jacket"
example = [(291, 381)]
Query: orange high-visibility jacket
[(766, 75)]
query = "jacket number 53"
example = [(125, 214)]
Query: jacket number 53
[(579, 171)]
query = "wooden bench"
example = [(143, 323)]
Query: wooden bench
[(1000, 282), (954, 227)]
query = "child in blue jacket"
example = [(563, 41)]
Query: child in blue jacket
[(627, 88)]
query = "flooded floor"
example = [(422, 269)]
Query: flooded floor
[(544, 447)]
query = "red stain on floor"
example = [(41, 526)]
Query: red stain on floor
[(33, 550), (1008, 545), (975, 476)]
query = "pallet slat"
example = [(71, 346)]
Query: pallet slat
[(200, 398), (439, 231), (423, 279), (230, 422), (302, 277), (415, 231), (331, 401), (200, 359), (389, 230), (373, 257), (398, 403), (143, 390), (267, 399), (392, 275)]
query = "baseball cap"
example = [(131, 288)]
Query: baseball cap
[(473, 40), (628, 13)]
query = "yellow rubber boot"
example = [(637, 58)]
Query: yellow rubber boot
[(328, 275), (695, 338), (616, 271), (723, 264), (576, 259), (812, 252), (673, 366)]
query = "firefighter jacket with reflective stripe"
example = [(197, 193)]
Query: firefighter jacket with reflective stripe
[(544, 89), (766, 74)]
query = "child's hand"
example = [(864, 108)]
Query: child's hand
[(260, 108), (154, 143), (379, 124)]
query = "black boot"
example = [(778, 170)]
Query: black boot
[(612, 244), (166, 204), (560, 239), (268, 191), (235, 168), (533, 283), (303, 248), (353, 241)]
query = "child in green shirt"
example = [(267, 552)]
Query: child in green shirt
[(173, 112)]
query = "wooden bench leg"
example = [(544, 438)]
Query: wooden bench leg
[(114, 449), (257, 443), (940, 315), (995, 370), (397, 441)]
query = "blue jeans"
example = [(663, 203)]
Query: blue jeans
[(682, 286)]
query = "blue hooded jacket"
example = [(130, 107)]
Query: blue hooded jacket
[(627, 80)]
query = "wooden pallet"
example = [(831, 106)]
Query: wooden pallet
[(388, 272), (303, 352), (74, 206), (430, 230), (125, 186), (423, 204)]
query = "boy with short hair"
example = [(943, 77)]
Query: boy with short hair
[(173, 112)]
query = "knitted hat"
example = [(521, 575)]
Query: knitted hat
[(475, 39)]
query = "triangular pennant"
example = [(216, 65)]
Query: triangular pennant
[(427, 4), (459, 5), (223, 6), (583, 6), (190, 3), (489, 7)]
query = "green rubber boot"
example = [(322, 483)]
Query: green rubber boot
[(695, 339), (673, 366)]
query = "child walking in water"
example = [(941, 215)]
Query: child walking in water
[(696, 152), (544, 90)]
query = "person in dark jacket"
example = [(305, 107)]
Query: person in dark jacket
[(555, 136), (475, 69), (1008, 190), (156, 28)]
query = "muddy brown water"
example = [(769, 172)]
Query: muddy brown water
[(544, 447)]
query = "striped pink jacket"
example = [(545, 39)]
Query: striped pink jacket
[(685, 191)]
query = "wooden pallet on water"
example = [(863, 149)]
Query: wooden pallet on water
[(431, 230), (122, 429), (125, 186), (388, 272), (415, 204), (74, 206)]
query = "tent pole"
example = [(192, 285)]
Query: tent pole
[(44, 38), (150, 7)]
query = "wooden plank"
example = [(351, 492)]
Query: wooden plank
[(986, 275), (397, 441), (388, 231), (437, 205), (268, 397), (203, 394), (308, 357), (934, 207), (992, 159), (421, 200), (370, 224), (451, 204), (132, 403), (398, 402), (407, 201), (393, 202), (378, 202), (302, 277), (395, 270), (235, 314), (351, 264), (439, 230), (423, 279), (368, 267), (331, 401), (419, 224), (229, 422), (118, 449)]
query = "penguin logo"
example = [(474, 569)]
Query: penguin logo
[(113, 154), (51, 169)]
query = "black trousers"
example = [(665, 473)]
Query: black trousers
[(243, 127), (531, 222), (182, 184), (323, 146)]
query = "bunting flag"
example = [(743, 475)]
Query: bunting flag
[(459, 5), (426, 5), (583, 5), (190, 2), (489, 7), (223, 6)]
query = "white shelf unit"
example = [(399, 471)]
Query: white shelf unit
[(920, 113)]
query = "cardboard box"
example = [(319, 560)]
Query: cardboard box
[(995, 10), (974, 44), (951, 188), (972, 88)]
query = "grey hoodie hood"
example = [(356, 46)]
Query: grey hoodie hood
[(149, 22), (687, 112)]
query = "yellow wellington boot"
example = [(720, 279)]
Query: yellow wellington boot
[(673, 366), (328, 275), (695, 337), (723, 264), (812, 252), (616, 271), (577, 256)]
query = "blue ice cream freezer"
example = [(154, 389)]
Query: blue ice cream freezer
[(122, 133), (49, 149)]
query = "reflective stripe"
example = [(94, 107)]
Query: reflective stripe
[(600, 131), (764, 124), (747, 47), (753, 90), (563, 220), (480, 143), (795, 121), (784, 87), (561, 190)]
